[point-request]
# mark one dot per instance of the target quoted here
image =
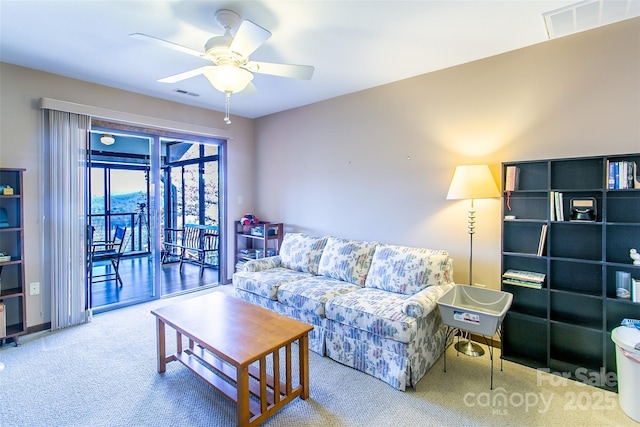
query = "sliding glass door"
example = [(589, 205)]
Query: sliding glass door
[(191, 177), (154, 187), (121, 195)]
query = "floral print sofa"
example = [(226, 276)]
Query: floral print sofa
[(372, 305)]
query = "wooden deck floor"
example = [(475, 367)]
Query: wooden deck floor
[(137, 284)]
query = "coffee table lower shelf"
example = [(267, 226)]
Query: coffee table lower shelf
[(223, 378)]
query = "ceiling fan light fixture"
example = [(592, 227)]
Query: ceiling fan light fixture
[(107, 139), (228, 78)]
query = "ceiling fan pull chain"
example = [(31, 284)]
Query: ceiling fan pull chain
[(227, 120)]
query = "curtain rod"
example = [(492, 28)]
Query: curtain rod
[(129, 118)]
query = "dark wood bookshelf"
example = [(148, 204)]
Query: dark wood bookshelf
[(566, 325), (12, 278)]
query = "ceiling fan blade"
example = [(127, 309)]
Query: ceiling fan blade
[(303, 72), (164, 43), (248, 38), (183, 76)]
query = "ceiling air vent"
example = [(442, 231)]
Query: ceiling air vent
[(588, 14), (186, 92)]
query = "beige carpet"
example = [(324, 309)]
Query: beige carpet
[(104, 374)]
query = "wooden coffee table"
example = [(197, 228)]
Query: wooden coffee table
[(230, 341)]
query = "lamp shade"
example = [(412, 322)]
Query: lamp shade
[(228, 78), (472, 182)]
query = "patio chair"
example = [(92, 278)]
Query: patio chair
[(107, 250), (194, 243)]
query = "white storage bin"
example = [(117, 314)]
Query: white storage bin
[(627, 340), (473, 309)]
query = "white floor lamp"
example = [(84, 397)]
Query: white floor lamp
[(472, 182)]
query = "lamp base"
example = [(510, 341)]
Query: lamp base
[(469, 348)]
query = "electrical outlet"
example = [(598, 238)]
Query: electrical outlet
[(240, 200), (34, 288)]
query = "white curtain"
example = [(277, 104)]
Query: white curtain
[(64, 226)]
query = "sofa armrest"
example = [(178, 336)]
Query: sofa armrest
[(425, 301), (262, 264)]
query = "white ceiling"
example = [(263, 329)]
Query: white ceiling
[(354, 45)]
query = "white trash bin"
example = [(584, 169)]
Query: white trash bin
[(628, 362)]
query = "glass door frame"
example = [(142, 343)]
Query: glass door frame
[(157, 137), (150, 189)]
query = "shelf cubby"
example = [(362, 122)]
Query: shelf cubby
[(577, 174), (527, 205), (576, 309), (521, 237), (612, 269), (532, 302), (623, 207), (574, 276), (524, 340), (620, 239), (575, 240), (618, 309), (533, 176), (579, 346)]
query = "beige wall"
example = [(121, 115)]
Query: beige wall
[(377, 164), (20, 136)]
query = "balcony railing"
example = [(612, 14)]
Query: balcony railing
[(137, 237)]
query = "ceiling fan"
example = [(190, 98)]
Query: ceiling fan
[(232, 70)]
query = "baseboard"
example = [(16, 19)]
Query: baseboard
[(495, 343), (39, 328)]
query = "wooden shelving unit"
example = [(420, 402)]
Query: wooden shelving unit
[(566, 326), (12, 281), (261, 240)]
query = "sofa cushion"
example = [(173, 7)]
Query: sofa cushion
[(302, 252), (347, 260), (407, 270), (375, 311), (266, 282), (310, 295)]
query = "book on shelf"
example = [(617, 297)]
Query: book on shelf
[(622, 175), (561, 206), (247, 253), (524, 275), (543, 236), (556, 206), (3, 321), (523, 283), (632, 176), (511, 178), (611, 182)]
